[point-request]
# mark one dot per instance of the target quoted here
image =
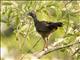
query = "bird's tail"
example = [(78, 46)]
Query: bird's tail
[(57, 24)]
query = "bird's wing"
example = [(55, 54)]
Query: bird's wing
[(46, 23), (43, 26)]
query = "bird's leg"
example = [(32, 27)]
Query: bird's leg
[(45, 44)]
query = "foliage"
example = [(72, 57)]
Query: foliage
[(18, 31)]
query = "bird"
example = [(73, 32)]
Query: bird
[(44, 28)]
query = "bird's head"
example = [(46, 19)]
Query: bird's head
[(32, 14), (60, 24)]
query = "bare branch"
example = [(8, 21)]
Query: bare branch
[(42, 53), (76, 51)]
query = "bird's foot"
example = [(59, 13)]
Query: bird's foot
[(45, 49)]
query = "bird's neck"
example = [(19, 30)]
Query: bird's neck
[(35, 19)]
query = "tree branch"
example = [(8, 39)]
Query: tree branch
[(42, 53), (76, 51)]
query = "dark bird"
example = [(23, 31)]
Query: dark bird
[(44, 28)]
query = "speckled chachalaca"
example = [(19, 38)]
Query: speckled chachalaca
[(44, 28)]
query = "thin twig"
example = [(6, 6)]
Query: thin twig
[(26, 34), (21, 58), (30, 49), (67, 16), (76, 51), (34, 45)]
